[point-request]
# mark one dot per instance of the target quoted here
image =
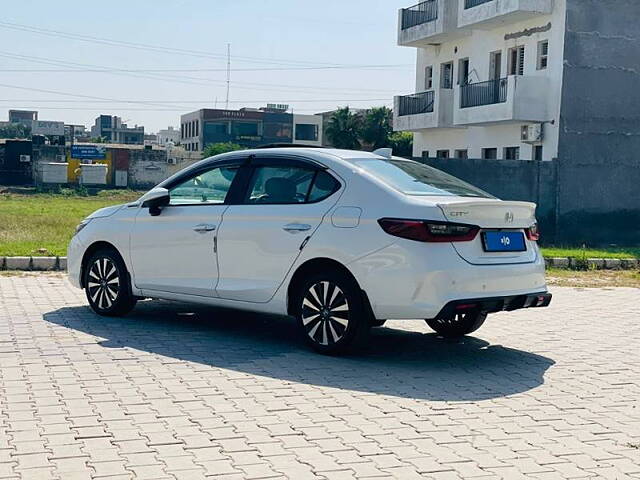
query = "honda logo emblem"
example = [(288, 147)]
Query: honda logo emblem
[(508, 217)]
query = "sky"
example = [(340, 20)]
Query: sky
[(151, 61)]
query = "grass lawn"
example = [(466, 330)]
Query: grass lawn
[(612, 252), (42, 224)]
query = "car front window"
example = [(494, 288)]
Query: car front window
[(413, 178), (210, 187)]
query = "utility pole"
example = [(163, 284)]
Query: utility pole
[(228, 73)]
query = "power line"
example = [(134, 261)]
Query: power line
[(179, 79), (188, 69), (157, 48)]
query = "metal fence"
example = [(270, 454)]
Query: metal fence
[(483, 93), (418, 14), (416, 103), (474, 3)]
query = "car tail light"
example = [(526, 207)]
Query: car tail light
[(533, 233), (427, 231)]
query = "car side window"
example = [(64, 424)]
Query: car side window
[(280, 185), (209, 187), (324, 185)]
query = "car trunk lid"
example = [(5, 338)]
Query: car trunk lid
[(492, 215)]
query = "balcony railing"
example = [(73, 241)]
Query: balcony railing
[(416, 103), (418, 14), (474, 3), (483, 93)]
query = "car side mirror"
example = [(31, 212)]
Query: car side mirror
[(155, 199)]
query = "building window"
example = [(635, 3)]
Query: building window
[(428, 78), (442, 153), (197, 127), (446, 75), (543, 54), (537, 152), (516, 60), (489, 153), (463, 71), (462, 153), (307, 131), (425, 154), (512, 153)]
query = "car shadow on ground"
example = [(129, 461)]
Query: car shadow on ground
[(396, 362)]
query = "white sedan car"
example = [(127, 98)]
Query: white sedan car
[(341, 240)]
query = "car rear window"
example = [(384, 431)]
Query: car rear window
[(413, 178)]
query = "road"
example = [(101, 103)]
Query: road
[(181, 392)]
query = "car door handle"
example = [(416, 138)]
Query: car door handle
[(296, 227), (204, 228)]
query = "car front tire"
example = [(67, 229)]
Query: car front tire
[(459, 325), (106, 284), (331, 313)]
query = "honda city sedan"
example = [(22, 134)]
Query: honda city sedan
[(340, 240)]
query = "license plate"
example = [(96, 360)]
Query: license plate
[(503, 242)]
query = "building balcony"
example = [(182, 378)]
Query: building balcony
[(515, 99), (489, 13), (420, 111), (428, 23)]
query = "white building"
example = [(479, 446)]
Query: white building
[(488, 78), (169, 135)]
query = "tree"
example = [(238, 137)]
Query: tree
[(377, 127), (402, 143), (15, 130), (217, 148), (343, 130)]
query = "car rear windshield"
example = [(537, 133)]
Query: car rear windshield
[(413, 178)]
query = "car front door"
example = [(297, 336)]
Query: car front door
[(175, 251), (260, 239)]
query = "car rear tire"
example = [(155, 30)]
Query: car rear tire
[(459, 325), (106, 284), (331, 313)]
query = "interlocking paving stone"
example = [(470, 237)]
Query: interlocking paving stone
[(182, 392)]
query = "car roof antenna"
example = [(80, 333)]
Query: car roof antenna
[(384, 152)]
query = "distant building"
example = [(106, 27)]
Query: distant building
[(25, 117), (169, 135), (79, 132), (114, 131), (150, 139), (249, 127)]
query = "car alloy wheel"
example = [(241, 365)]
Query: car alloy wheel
[(325, 313), (103, 283)]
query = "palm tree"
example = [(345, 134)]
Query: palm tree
[(377, 127), (343, 129)]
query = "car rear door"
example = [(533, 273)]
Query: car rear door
[(260, 239)]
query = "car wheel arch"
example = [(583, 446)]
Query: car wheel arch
[(94, 247), (316, 265)]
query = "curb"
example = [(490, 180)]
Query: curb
[(37, 264), (570, 263)]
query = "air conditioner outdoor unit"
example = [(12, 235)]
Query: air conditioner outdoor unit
[(61, 158), (25, 158), (532, 133), (172, 161)]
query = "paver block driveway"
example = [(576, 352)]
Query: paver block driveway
[(181, 392)]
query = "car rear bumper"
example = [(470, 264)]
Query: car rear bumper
[(495, 304)]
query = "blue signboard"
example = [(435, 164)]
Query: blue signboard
[(88, 152)]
